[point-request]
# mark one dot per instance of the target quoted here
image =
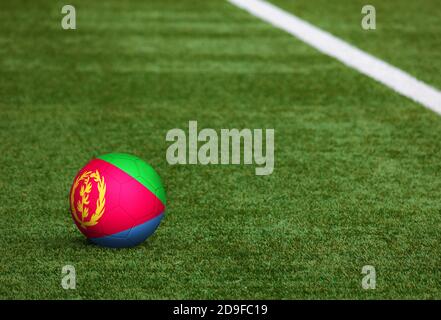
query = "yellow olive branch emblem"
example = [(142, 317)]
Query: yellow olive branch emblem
[(81, 207)]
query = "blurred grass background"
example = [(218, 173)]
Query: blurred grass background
[(356, 178)]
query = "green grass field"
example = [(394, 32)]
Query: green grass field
[(357, 172)]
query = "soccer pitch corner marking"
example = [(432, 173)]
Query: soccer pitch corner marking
[(349, 55)]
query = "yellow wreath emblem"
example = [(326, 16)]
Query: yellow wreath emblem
[(81, 205)]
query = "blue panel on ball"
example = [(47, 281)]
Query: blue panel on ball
[(136, 235), (141, 232)]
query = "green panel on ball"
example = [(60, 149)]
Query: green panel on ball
[(139, 170)]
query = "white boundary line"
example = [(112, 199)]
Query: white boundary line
[(351, 56)]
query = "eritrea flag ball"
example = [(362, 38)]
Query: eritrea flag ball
[(117, 200)]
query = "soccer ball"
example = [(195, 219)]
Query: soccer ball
[(117, 200)]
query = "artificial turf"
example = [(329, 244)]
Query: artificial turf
[(356, 177)]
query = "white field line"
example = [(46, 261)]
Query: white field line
[(351, 56)]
